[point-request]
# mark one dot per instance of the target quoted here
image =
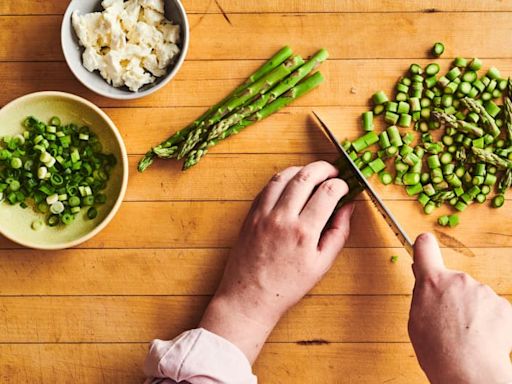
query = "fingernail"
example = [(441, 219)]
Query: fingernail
[(352, 209)]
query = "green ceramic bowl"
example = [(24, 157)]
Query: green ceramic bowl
[(15, 222)]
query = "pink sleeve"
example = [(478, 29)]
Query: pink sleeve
[(197, 357)]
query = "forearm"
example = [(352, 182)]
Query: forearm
[(228, 319)]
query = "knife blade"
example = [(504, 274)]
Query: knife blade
[(374, 197)]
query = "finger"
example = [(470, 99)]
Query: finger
[(335, 236), (254, 206), (427, 256), (301, 186), (320, 206), (275, 187)]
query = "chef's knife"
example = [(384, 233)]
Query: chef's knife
[(384, 211)]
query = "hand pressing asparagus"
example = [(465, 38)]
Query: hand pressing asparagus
[(281, 80)]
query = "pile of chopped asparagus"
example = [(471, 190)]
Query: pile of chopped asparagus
[(282, 79), (461, 146)]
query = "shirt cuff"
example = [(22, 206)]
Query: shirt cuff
[(197, 357)]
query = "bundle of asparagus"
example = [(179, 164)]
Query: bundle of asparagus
[(281, 80)]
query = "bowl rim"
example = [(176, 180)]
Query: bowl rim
[(125, 169), (133, 95)]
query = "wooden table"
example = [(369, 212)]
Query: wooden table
[(86, 315)]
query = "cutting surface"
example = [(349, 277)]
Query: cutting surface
[(86, 315)]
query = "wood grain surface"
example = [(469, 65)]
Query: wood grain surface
[(86, 315)]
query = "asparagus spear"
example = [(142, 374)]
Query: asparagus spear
[(168, 148), (487, 120), (259, 87), (491, 158), (281, 55), (440, 197), (460, 125), (270, 96), (508, 110), (505, 181), (294, 93)]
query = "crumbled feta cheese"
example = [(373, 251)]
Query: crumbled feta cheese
[(117, 35), (152, 17), (86, 27), (132, 50), (92, 61), (165, 52), (146, 35), (115, 9), (135, 77), (170, 32), (129, 43), (151, 64), (157, 5), (130, 15), (112, 71), (112, 3)]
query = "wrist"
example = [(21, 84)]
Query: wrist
[(233, 321)]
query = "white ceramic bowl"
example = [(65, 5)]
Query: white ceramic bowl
[(174, 12), (15, 222)]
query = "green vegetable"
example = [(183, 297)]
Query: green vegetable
[(394, 259), (474, 151), (368, 121), (438, 49), (47, 164), (385, 177), (294, 93), (453, 220), (279, 81), (379, 98), (443, 220), (498, 201)]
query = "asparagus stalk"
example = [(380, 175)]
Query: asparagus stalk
[(505, 181), (440, 197), (508, 110), (294, 93), (276, 60), (259, 87), (491, 158), (168, 149), (460, 125), (487, 120), (270, 96)]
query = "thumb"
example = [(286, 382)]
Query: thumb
[(427, 256)]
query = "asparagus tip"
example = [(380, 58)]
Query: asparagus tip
[(146, 161)]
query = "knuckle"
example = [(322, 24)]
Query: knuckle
[(275, 222), (428, 281), (277, 177), (461, 277), (254, 221), (281, 176), (302, 234), (303, 176), (334, 187)]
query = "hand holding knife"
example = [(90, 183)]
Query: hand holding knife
[(361, 180)]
